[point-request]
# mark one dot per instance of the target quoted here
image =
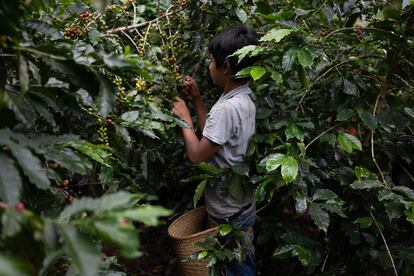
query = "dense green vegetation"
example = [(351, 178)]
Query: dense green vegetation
[(90, 152)]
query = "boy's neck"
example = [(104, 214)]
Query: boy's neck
[(231, 85)]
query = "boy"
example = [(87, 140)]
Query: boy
[(226, 130)]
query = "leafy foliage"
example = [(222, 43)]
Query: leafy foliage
[(87, 138)]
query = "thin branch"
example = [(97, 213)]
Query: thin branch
[(406, 171), (354, 28), (321, 76), (385, 243), (324, 262), (7, 55), (139, 25), (255, 213), (317, 137), (40, 53), (130, 39), (372, 144)]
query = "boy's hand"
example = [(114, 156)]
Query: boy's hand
[(180, 109), (191, 90)]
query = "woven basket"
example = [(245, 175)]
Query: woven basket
[(193, 226)]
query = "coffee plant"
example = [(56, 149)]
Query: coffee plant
[(91, 154)]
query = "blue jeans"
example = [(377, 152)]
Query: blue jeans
[(245, 223)]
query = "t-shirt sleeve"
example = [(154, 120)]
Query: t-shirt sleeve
[(219, 126)]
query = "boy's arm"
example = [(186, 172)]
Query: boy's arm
[(192, 92), (197, 151), (201, 112)]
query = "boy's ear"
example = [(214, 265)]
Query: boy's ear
[(226, 67)]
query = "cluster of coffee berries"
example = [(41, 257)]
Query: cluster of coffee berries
[(103, 133), (85, 14), (121, 93), (360, 32), (140, 84), (72, 32)]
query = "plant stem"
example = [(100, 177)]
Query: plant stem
[(317, 137), (385, 243)]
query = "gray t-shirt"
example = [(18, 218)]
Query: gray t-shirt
[(230, 124)]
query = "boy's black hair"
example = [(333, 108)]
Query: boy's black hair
[(229, 41)]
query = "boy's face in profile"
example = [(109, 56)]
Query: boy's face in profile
[(217, 74)]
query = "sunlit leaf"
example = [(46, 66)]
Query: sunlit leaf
[(349, 142), (289, 168), (366, 184), (199, 192), (225, 229), (276, 35)]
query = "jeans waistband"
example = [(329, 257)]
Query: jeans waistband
[(232, 217)]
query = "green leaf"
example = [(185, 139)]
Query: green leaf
[(68, 159), (349, 142), (106, 97), (225, 229), (11, 221), (292, 131), (329, 138), (288, 59), (10, 181), (130, 116), (107, 202), (362, 172), (319, 216), (242, 169), (409, 112), (120, 233), (276, 35), (273, 161), (257, 72), (333, 208), (92, 151), (350, 88), (10, 266), (199, 192), (239, 187), (368, 119), (249, 50), (324, 194), (241, 14), (202, 254), (44, 28), (181, 123), (283, 252), (23, 75), (410, 214), (366, 184), (289, 169), (210, 168), (364, 222), (305, 58), (303, 254), (84, 255), (277, 77), (31, 165), (406, 191), (84, 97), (146, 214), (345, 114)]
